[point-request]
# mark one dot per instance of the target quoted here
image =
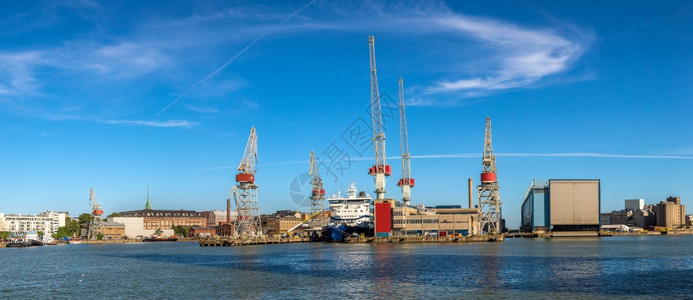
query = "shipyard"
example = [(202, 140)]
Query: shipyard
[(308, 149), (550, 208)]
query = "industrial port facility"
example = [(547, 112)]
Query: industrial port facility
[(390, 217)]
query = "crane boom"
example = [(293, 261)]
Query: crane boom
[(317, 196), (406, 182), (247, 165), (381, 169)]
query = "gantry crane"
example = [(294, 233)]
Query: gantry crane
[(317, 196), (489, 199), (380, 170), (406, 182), (96, 226), (248, 223)]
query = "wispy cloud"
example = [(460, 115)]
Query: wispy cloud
[(234, 57), (171, 123), (478, 155), (523, 56)]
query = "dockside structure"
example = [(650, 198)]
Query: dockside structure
[(563, 207)]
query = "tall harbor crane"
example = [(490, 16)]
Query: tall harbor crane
[(406, 182), (489, 199), (380, 170), (247, 224), (317, 196), (96, 226)]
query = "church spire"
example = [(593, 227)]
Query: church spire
[(148, 206)]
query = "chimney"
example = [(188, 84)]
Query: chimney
[(228, 211), (471, 203)]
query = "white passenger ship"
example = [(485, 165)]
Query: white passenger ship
[(354, 210)]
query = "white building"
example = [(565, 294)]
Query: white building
[(635, 204), (2, 223), (134, 227), (57, 217), (21, 224)]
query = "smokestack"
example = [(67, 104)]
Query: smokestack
[(228, 211), (471, 204)]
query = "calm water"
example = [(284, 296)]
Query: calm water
[(611, 267)]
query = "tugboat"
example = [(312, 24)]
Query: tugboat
[(351, 215)]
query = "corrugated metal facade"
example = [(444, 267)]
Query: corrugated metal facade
[(574, 202)]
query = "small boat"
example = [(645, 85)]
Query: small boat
[(32, 243), (15, 245), (160, 239), (72, 240)]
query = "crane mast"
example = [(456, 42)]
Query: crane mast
[(247, 224), (489, 199), (380, 170), (317, 198), (406, 182), (96, 226)]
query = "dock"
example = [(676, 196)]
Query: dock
[(248, 242), (375, 240)]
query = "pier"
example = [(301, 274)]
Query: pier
[(248, 242), (375, 240)]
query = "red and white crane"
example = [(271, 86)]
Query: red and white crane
[(248, 222), (489, 199), (380, 170), (406, 182), (96, 226)]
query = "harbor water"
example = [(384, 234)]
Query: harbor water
[(609, 267)]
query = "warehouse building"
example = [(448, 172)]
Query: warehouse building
[(563, 206), (670, 213), (535, 208), (393, 219)]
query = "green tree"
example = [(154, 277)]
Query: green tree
[(99, 236), (180, 230), (70, 229), (158, 232), (84, 218), (113, 215), (40, 234)]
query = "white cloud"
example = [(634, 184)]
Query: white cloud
[(170, 123), (519, 57)]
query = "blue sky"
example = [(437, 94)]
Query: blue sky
[(115, 95)]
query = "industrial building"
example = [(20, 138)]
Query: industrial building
[(434, 222), (113, 231), (671, 213), (398, 220), (634, 204), (282, 221), (535, 208), (571, 207), (220, 217), (644, 217)]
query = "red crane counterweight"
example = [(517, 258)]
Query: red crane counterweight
[(243, 178), (406, 181), (380, 169), (488, 177)]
